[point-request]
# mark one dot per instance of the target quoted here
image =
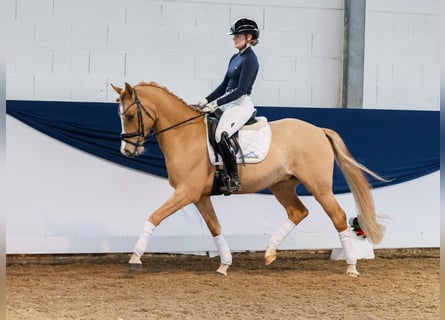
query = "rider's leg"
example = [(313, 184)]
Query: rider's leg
[(229, 159), (234, 116)]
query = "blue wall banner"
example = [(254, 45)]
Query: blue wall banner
[(398, 145)]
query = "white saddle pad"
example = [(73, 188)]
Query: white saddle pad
[(254, 141)]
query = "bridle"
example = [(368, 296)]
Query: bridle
[(140, 133)]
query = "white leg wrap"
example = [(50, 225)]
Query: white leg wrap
[(142, 243), (223, 249), (281, 233), (348, 248)]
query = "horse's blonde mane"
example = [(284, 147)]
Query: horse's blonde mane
[(157, 85)]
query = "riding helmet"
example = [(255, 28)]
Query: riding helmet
[(245, 26)]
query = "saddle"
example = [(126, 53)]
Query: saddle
[(251, 144), (212, 123)]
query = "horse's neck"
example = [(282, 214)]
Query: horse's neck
[(171, 111)]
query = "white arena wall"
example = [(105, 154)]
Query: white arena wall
[(72, 50), (62, 200), (402, 64)]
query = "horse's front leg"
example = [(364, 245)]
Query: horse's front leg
[(207, 211), (178, 200)]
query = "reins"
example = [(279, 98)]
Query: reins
[(141, 131), (178, 124)]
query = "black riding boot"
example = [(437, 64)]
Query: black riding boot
[(229, 159)]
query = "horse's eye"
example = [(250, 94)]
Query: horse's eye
[(130, 117)]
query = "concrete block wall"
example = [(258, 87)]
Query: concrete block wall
[(73, 50), (402, 66)]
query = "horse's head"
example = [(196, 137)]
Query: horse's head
[(136, 121)]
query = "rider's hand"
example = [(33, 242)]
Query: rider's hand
[(210, 107), (202, 103)]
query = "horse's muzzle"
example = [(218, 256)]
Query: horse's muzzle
[(131, 151), (130, 154)]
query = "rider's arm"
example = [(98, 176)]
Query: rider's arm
[(219, 90)]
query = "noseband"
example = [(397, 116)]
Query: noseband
[(140, 133)]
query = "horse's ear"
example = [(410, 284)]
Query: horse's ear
[(128, 88), (117, 89)]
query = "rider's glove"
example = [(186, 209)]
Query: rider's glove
[(210, 107), (202, 103)]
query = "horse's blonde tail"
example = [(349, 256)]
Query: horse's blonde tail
[(359, 186)]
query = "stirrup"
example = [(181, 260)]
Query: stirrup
[(230, 185)]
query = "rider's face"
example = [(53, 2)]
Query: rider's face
[(241, 40)]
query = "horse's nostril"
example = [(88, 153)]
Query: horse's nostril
[(127, 153)]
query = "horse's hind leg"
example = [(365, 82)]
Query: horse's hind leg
[(296, 212), (207, 211), (337, 214)]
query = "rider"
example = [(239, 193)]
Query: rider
[(232, 96)]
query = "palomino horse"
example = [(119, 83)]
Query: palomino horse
[(300, 153)]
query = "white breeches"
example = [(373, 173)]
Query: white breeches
[(235, 115)]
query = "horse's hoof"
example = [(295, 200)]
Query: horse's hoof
[(134, 265), (222, 270), (268, 260), (135, 259), (353, 275), (270, 256), (352, 271)]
